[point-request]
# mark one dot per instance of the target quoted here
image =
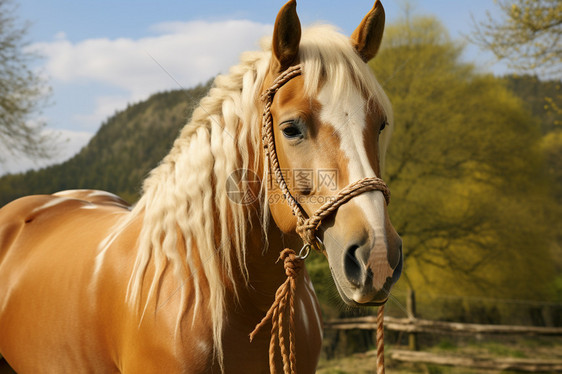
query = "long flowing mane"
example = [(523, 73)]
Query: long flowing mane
[(189, 225)]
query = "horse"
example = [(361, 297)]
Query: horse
[(176, 283)]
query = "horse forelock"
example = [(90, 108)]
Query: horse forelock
[(185, 198)]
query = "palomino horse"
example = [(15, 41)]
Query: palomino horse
[(177, 282)]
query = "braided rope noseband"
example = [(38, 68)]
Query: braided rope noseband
[(306, 228)]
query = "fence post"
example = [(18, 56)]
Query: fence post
[(411, 309)]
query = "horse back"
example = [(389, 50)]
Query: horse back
[(32, 219)]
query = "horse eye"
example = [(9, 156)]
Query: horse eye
[(383, 125), (290, 130)]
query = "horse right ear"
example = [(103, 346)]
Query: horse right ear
[(286, 37), (366, 39)]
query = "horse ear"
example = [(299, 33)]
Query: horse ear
[(367, 37), (286, 37)]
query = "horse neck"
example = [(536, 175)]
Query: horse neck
[(265, 273)]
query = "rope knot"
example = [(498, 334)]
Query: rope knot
[(307, 231), (291, 262)]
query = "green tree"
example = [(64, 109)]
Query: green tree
[(465, 170), (528, 35), (552, 148), (23, 92)]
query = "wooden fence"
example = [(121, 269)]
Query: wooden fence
[(416, 326)]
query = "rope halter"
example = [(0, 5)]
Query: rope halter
[(306, 228)]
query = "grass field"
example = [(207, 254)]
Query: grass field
[(521, 348)]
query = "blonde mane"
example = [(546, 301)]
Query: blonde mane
[(185, 206)]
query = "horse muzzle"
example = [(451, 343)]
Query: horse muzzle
[(366, 267)]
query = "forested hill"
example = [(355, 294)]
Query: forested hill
[(117, 159), (133, 141)]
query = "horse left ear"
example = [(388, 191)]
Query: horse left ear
[(366, 39), (286, 37)]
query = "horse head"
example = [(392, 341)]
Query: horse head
[(330, 128)]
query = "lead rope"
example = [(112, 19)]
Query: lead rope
[(306, 228), (380, 340)]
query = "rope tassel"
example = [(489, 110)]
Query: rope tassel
[(285, 296)]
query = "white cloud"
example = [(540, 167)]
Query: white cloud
[(190, 52)]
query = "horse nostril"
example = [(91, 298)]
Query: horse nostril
[(352, 266)]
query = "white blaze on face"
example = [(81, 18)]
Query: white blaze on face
[(348, 117)]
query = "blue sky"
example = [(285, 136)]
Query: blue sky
[(100, 55)]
